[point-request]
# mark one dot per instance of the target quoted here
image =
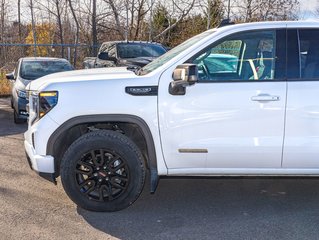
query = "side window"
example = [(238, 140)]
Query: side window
[(111, 51), (104, 47), (242, 56), (309, 53)]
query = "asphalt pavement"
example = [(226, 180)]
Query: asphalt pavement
[(192, 208)]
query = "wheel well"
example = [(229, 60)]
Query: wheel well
[(68, 136)]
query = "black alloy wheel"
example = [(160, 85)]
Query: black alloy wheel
[(102, 175), (103, 170)]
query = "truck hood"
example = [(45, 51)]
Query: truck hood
[(82, 75)]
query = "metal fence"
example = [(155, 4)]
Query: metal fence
[(75, 53), (11, 52)]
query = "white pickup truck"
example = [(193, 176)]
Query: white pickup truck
[(240, 100)]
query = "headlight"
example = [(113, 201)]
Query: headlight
[(47, 101), (33, 106), (21, 94), (41, 103)]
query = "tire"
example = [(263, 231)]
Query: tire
[(103, 171), (17, 119)]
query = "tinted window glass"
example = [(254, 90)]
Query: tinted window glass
[(309, 53), (31, 70), (134, 50), (293, 67), (173, 53), (105, 46), (243, 56), (281, 54), (111, 51)]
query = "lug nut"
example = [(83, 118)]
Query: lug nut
[(98, 168), (95, 174), (104, 167), (106, 178), (100, 180)]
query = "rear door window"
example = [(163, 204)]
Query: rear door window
[(309, 53)]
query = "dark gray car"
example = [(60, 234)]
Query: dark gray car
[(27, 70), (122, 53)]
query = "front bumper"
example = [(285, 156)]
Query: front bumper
[(43, 165)]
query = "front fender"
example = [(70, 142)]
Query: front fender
[(53, 143)]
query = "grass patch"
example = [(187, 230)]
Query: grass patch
[(5, 85)]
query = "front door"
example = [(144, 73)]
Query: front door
[(234, 116)]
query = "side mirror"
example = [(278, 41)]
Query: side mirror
[(10, 76), (184, 75), (103, 56)]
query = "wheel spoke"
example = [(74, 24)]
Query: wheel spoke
[(94, 160), (85, 182), (83, 172), (85, 164), (109, 191), (118, 167), (89, 190), (102, 157), (101, 197), (120, 177), (113, 159), (116, 185)]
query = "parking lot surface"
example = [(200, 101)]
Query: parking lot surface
[(193, 208)]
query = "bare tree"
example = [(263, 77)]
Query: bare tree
[(3, 11), (59, 21), (31, 6), (116, 13), (213, 11), (150, 37), (77, 34), (94, 28), (141, 10), (262, 10), (182, 9), (55, 8), (19, 20)]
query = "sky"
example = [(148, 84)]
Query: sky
[(307, 7)]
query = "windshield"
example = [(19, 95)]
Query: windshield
[(172, 53), (31, 70), (134, 50)]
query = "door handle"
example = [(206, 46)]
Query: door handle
[(265, 98)]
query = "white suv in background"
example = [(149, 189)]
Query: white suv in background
[(239, 100)]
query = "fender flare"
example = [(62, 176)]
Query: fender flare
[(152, 160)]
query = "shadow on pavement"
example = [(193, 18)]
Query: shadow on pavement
[(7, 126), (218, 209)]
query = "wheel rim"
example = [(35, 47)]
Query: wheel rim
[(102, 175)]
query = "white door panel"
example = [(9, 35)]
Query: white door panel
[(234, 116), (301, 148), (221, 118)]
